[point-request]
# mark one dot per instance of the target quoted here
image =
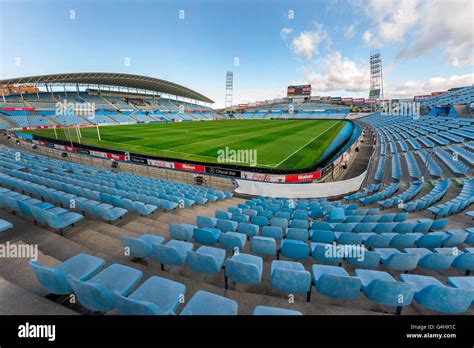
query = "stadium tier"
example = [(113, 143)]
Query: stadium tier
[(133, 216)]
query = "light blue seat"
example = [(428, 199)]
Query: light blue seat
[(300, 215), (439, 224), (111, 214), (97, 293), (432, 260), (206, 235), (326, 253), (5, 225), (383, 227), (206, 221), (268, 214), (224, 215), (234, 210), (294, 249), (402, 241), (279, 222), (290, 277), (141, 247), (429, 240), (264, 246), (265, 310), (249, 230), (431, 293), (156, 296), (321, 226), (283, 214), (466, 283), (335, 282), (226, 225), (396, 260), (348, 238), (249, 212), (181, 232), (299, 224), (60, 221), (381, 287), (240, 218), (297, 234), (172, 253), (454, 238), (322, 236), (374, 240), (54, 279), (369, 260), (274, 232), (244, 269), (336, 215), (143, 208), (233, 240), (207, 260), (206, 303), (404, 227)]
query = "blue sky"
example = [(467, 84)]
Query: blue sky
[(276, 43)]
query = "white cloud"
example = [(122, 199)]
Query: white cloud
[(285, 32), (349, 32), (447, 24), (338, 73), (434, 84), (306, 43), (420, 25)]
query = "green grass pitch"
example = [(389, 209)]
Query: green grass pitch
[(279, 144)]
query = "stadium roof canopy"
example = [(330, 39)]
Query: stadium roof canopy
[(110, 79)]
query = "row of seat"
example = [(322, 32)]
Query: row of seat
[(405, 196), (291, 277), (436, 194), (457, 204), (55, 217)]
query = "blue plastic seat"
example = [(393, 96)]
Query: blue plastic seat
[(5, 225), (249, 230), (224, 215), (265, 310), (299, 224), (294, 249), (335, 282), (374, 240), (54, 279), (432, 260), (226, 225), (396, 260), (206, 221), (368, 260), (240, 218), (431, 293), (208, 260), (297, 234), (348, 238), (172, 253), (156, 296), (97, 293), (322, 236), (429, 240), (326, 253), (401, 241), (381, 287), (181, 232), (264, 246), (279, 222), (274, 232), (141, 247), (244, 269), (336, 215), (233, 240), (454, 238), (466, 283), (206, 235), (290, 277), (206, 303)]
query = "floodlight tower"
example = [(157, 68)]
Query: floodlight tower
[(229, 88), (376, 76)]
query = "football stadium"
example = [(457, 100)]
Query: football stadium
[(341, 195)]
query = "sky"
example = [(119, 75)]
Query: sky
[(426, 45)]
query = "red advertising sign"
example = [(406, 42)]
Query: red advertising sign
[(359, 100), (18, 109), (303, 177), (115, 156), (190, 167), (262, 177)]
